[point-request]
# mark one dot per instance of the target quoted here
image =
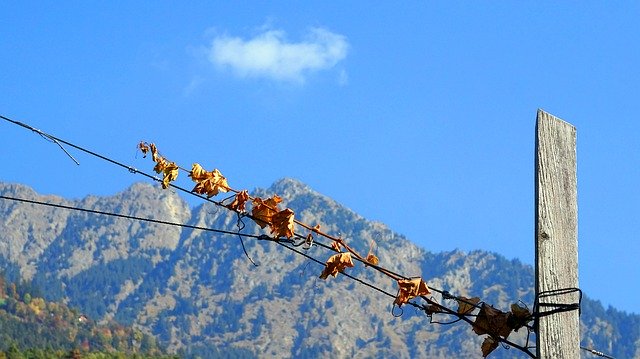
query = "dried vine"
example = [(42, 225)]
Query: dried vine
[(485, 320)]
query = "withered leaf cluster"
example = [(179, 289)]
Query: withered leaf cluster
[(209, 183), (496, 323), (266, 213), (168, 169)]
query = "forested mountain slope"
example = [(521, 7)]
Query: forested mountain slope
[(197, 291)]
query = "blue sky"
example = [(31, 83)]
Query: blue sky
[(418, 115)]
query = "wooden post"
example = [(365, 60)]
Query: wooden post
[(556, 234)]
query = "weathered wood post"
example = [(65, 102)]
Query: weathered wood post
[(556, 234)]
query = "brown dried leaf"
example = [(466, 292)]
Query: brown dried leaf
[(336, 246), (239, 201), (154, 153), (144, 148), (488, 345), (410, 288), (467, 305), (492, 321), (209, 183), (197, 173), (432, 309), (371, 258), (170, 173), (520, 316), (336, 263), (520, 312), (161, 164), (282, 224), (263, 210)]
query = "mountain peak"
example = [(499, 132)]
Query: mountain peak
[(290, 185)]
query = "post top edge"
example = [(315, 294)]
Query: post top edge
[(543, 115)]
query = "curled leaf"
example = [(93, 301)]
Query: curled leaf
[(492, 321), (410, 288), (209, 183), (170, 173), (197, 173), (488, 345), (519, 317), (168, 169), (467, 305), (144, 148), (282, 224), (520, 312), (371, 258), (336, 263), (239, 201), (154, 153), (161, 164), (263, 210)]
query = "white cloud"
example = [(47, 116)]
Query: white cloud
[(270, 55)]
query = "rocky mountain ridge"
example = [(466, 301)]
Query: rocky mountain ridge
[(197, 290)]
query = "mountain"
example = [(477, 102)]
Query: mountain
[(199, 294)]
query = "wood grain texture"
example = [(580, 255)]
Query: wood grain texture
[(556, 235)]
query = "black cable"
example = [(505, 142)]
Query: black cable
[(151, 220), (596, 352), (343, 273), (136, 171), (220, 231), (129, 168)]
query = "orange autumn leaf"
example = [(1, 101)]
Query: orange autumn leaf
[(371, 258), (488, 345), (336, 263), (168, 169), (154, 153), (170, 173), (239, 201), (161, 164), (209, 183), (282, 223), (335, 246), (197, 173), (409, 289), (263, 210), (467, 305)]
